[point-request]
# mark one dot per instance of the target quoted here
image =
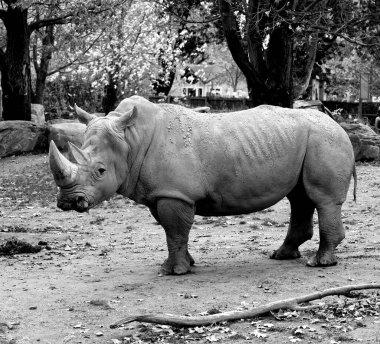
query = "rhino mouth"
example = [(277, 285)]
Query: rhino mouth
[(79, 203)]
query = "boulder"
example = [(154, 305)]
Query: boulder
[(356, 143), (365, 141), (202, 109), (313, 104), (62, 120), (368, 153), (67, 131), (38, 114), (17, 137), (309, 104), (358, 129)]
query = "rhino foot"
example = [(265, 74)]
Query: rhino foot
[(327, 259), (172, 267), (285, 253)]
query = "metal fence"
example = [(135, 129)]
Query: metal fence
[(352, 108), (215, 103), (228, 104)]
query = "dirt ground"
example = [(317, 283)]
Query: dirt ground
[(95, 269)]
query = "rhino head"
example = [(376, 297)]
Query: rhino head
[(94, 172)]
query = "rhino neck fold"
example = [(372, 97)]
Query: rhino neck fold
[(139, 146)]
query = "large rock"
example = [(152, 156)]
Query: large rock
[(64, 132), (18, 137), (38, 114), (312, 104), (368, 153), (202, 109), (308, 104), (358, 129), (365, 141)]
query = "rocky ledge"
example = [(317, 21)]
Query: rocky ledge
[(365, 141)]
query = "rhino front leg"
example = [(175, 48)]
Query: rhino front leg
[(176, 217), (331, 232)]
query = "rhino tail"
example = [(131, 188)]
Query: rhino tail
[(355, 181)]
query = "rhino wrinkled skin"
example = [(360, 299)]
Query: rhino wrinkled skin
[(180, 163)]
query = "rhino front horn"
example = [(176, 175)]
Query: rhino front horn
[(64, 171)]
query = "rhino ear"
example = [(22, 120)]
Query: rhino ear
[(83, 116), (78, 155), (126, 120)]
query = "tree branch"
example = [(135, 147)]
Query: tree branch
[(234, 42), (311, 5), (50, 21), (2, 58), (254, 39), (3, 14), (304, 80), (185, 20), (34, 55), (77, 58), (64, 19), (184, 321)]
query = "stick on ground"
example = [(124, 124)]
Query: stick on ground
[(192, 321)]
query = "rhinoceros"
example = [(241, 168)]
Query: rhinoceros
[(180, 163)]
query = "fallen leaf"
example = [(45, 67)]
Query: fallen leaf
[(212, 338), (259, 334)]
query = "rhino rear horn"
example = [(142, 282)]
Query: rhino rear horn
[(64, 171), (78, 155), (83, 116), (126, 120)]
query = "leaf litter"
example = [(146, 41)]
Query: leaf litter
[(338, 317)]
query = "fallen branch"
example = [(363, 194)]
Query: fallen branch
[(192, 321)]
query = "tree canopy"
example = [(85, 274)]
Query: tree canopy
[(20, 19), (276, 43), (123, 47)]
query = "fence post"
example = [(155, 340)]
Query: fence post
[(1, 100)]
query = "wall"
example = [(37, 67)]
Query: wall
[(219, 103)]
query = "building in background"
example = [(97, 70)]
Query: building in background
[(208, 81)]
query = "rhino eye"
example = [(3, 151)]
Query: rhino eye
[(101, 171)]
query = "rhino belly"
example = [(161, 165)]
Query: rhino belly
[(211, 206), (257, 191)]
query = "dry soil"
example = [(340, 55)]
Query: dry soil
[(95, 269)]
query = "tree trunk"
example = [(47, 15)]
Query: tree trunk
[(272, 82), (110, 94), (16, 79), (303, 79), (269, 72), (43, 67), (113, 90), (279, 58), (169, 81)]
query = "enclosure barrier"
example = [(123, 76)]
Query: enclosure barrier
[(229, 104)]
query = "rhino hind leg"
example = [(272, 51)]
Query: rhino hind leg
[(300, 226), (326, 182), (176, 217), (331, 232)]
